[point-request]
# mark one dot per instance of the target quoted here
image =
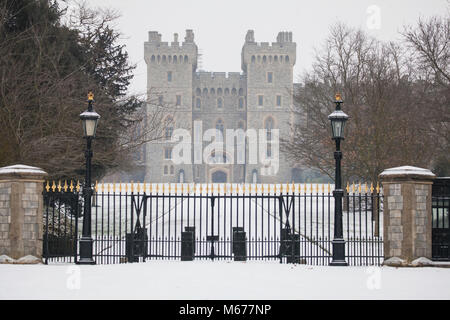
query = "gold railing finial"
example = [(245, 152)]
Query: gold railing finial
[(53, 186), (47, 187), (71, 186)]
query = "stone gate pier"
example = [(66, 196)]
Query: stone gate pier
[(407, 213), (21, 211)]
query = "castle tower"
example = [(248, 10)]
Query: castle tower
[(269, 71), (170, 69)]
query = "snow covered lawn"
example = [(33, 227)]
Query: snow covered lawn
[(220, 280)]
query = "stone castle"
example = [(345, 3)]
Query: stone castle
[(260, 98)]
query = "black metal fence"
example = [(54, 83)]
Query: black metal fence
[(286, 223)]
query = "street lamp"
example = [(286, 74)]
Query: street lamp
[(338, 119), (89, 119)]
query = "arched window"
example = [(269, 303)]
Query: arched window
[(264, 59), (270, 59), (171, 170), (205, 91), (220, 126), (186, 60), (175, 59), (253, 59), (254, 176), (241, 91), (159, 58), (286, 59), (153, 58), (275, 59), (259, 59), (198, 92), (163, 58), (180, 59), (227, 91), (170, 59), (181, 176), (219, 103), (241, 103), (233, 91), (219, 91), (281, 58), (166, 170), (212, 91), (198, 103)]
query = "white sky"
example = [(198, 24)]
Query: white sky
[(220, 26)]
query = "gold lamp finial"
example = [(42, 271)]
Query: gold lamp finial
[(90, 96), (338, 97)]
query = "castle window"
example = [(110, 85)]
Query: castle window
[(241, 125), (227, 91), (241, 103), (178, 100), (219, 103), (259, 59), (254, 176), (241, 91), (270, 59), (170, 59), (186, 59), (180, 59), (260, 100), (198, 92), (153, 58), (174, 59), (278, 101), (233, 91), (205, 91), (181, 176), (159, 58), (275, 59), (253, 59), (171, 170), (286, 59), (169, 76), (169, 132), (269, 77), (281, 58), (198, 103), (219, 91), (219, 126), (212, 91), (166, 170), (168, 153), (264, 59), (268, 125), (163, 58)]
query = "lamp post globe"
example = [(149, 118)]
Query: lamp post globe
[(89, 119), (338, 119)]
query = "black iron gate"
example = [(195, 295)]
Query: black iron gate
[(440, 219), (284, 223)]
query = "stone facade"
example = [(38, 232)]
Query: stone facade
[(21, 211), (407, 212), (258, 98)]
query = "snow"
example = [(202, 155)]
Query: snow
[(220, 280), (407, 170), (20, 168)]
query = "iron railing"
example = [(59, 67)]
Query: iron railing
[(288, 223)]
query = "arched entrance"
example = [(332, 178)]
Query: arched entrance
[(219, 176)]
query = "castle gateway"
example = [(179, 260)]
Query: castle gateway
[(258, 98)]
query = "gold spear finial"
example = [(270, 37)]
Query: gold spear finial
[(371, 187), (114, 187), (65, 186), (59, 186), (348, 187), (71, 186), (96, 186), (47, 187), (78, 186), (120, 186), (365, 187), (378, 188)]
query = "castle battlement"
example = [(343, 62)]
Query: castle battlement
[(219, 76)]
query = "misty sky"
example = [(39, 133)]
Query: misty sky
[(220, 26)]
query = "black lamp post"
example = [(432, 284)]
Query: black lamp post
[(89, 119), (338, 119)]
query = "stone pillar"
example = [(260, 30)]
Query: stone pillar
[(407, 213), (21, 211)]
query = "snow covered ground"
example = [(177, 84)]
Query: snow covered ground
[(220, 280)]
